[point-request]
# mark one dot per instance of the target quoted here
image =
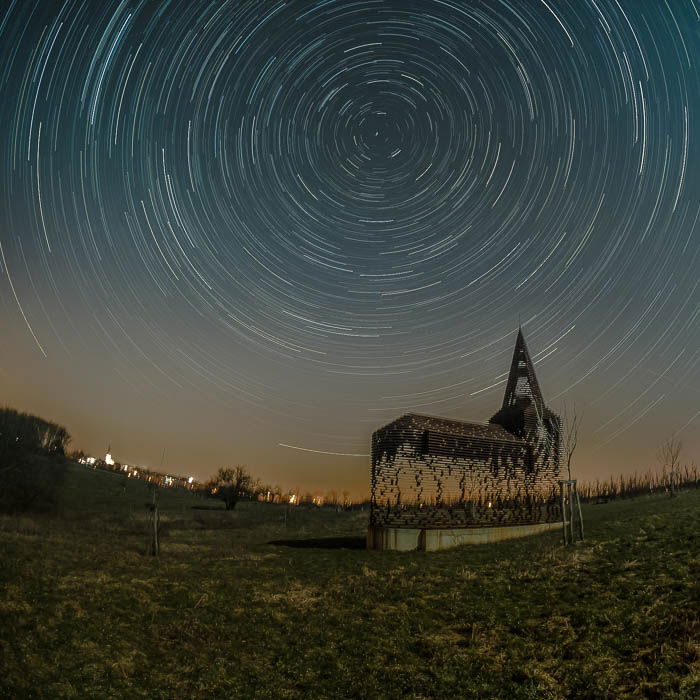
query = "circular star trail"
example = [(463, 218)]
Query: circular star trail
[(322, 214)]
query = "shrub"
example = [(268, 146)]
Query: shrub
[(28, 481)]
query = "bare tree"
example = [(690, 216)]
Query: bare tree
[(569, 435), (230, 484), (669, 456)]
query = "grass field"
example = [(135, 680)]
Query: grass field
[(239, 604)]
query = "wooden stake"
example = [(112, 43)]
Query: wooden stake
[(156, 544), (563, 510), (571, 511), (580, 515)]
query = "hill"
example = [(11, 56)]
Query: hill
[(272, 602)]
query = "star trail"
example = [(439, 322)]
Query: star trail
[(257, 231)]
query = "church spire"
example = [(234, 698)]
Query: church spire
[(522, 382)]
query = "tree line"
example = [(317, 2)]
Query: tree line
[(32, 463), (31, 433), (233, 484), (672, 477)]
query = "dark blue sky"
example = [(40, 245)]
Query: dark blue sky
[(232, 226)]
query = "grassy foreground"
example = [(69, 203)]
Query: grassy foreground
[(230, 609)]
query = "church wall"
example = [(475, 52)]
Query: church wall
[(424, 477)]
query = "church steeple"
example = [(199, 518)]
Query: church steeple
[(522, 382)]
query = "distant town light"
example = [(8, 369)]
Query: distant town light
[(108, 459), (190, 480)]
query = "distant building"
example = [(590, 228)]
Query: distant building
[(438, 482)]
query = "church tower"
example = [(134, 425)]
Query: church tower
[(522, 383), (524, 413)]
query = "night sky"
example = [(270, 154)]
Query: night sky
[(233, 229)]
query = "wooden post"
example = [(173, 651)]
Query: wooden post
[(154, 521), (580, 514), (563, 509), (571, 510), (156, 544)]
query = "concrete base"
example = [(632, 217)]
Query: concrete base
[(407, 540), (399, 539)]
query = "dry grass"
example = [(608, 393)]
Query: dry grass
[(223, 612)]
